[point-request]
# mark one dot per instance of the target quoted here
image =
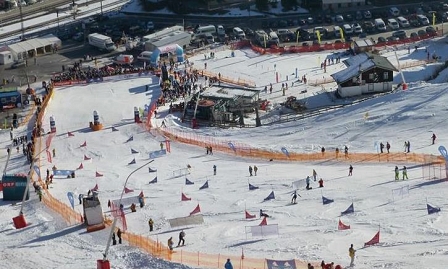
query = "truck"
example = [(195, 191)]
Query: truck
[(101, 42)]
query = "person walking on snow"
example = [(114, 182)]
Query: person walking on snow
[(321, 183), (388, 147), (151, 225), (161, 145), (405, 172), (181, 238), (381, 147), (397, 173), (351, 253), (433, 137), (214, 170), (170, 243), (228, 265), (119, 235), (350, 170), (255, 170), (314, 175), (250, 170), (114, 240)]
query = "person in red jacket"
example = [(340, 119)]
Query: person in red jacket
[(321, 183)]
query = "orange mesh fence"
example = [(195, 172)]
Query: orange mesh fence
[(61, 208), (197, 259), (230, 80), (248, 151)]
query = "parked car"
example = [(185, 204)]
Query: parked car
[(421, 33), (431, 31), (382, 39), (392, 38), (338, 18), (414, 35), (367, 14), (401, 34), (368, 27), (18, 64), (357, 29), (358, 15)]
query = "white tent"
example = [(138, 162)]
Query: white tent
[(32, 47)]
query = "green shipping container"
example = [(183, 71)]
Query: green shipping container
[(14, 187)]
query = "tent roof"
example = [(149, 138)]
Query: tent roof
[(34, 43)]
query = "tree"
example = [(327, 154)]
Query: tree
[(262, 5)]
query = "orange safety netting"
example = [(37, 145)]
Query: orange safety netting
[(243, 150)]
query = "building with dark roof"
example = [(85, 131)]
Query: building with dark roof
[(365, 73)]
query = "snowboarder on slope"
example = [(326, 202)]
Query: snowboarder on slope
[(294, 197), (307, 180), (405, 172)]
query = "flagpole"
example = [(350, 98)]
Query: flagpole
[(112, 229)]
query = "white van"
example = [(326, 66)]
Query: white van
[(337, 31), (145, 56), (274, 38), (209, 29), (404, 23), (380, 25), (423, 20), (348, 30), (220, 30), (393, 24), (239, 33)]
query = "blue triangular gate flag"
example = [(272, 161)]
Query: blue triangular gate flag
[(114, 129), (205, 186), (132, 162), (153, 181), (349, 210), (431, 209), (133, 151), (326, 201), (152, 170), (252, 187), (130, 139), (270, 196), (188, 182)]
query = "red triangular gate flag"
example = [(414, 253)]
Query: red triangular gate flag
[(185, 198), (80, 166), (87, 158), (374, 240), (249, 216), (127, 190), (84, 144), (95, 188), (342, 226), (70, 134), (98, 174), (263, 222), (196, 210)]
